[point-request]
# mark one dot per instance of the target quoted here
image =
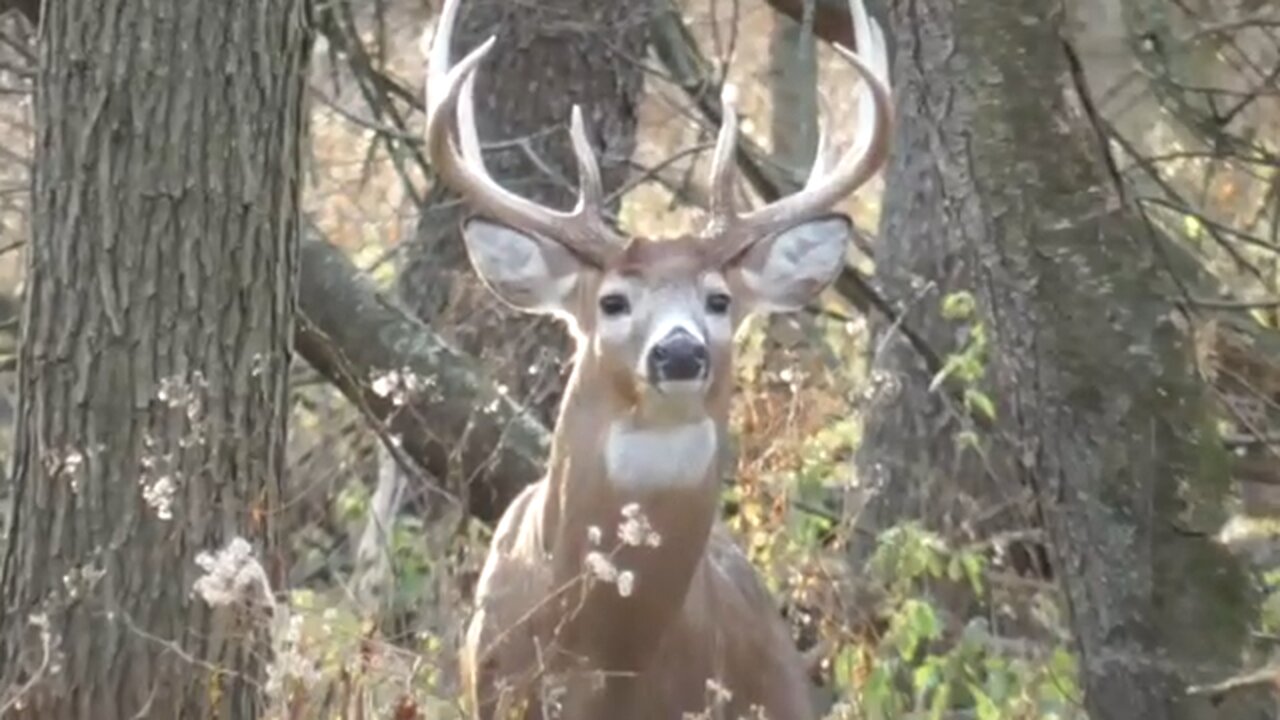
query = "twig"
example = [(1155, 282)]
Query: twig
[(1269, 675), (37, 676)]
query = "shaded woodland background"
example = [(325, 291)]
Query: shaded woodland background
[(1023, 461)]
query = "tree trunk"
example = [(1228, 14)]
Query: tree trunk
[(156, 344), (999, 187)]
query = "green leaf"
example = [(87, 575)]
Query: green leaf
[(879, 698), (952, 364), (846, 663), (1061, 685), (352, 502), (975, 399), (968, 438), (983, 705), (974, 565), (926, 677), (916, 623), (941, 702), (1192, 226), (958, 305)]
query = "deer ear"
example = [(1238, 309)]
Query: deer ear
[(788, 269), (526, 271)]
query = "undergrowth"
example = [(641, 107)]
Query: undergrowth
[(899, 651)]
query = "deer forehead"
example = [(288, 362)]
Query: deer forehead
[(673, 270), (647, 256)]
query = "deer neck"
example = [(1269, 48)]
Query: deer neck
[(632, 499)]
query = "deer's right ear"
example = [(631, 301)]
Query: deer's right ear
[(526, 271)]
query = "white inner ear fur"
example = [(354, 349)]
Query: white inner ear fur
[(785, 271), (663, 456), (528, 272)]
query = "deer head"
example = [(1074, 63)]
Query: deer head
[(658, 317)]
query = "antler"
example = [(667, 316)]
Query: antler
[(450, 93), (736, 231)]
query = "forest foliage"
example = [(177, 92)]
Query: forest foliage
[(1186, 103)]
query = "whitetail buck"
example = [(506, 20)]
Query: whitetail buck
[(610, 589)]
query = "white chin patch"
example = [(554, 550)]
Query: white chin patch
[(680, 388)]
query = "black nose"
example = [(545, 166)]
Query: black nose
[(678, 356)]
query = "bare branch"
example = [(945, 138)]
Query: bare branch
[(457, 426)]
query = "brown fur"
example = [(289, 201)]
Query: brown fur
[(543, 635)]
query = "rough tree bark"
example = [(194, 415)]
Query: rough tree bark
[(999, 186), (156, 344)]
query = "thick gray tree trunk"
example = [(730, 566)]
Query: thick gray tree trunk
[(156, 343), (999, 187)]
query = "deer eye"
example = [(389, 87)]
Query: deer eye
[(718, 303), (614, 304)]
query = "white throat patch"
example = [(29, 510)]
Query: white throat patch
[(675, 456)]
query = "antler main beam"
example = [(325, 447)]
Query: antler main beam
[(451, 96), (864, 158)]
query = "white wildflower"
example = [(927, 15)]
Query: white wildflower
[(233, 576), (635, 529), (159, 495), (258, 365), (626, 583), (719, 693), (79, 581), (397, 385), (293, 630), (601, 567), (594, 535), (71, 465), (384, 384), (290, 664), (631, 533), (73, 461)]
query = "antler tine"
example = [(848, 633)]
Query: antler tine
[(723, 200), (824, 186), (590, 187), (451, 96)]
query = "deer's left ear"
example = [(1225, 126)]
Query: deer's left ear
[(783, 272)]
